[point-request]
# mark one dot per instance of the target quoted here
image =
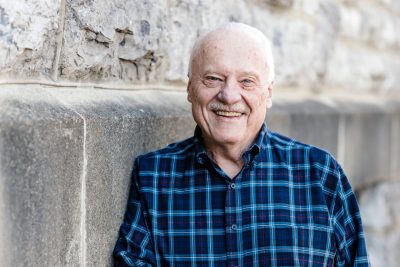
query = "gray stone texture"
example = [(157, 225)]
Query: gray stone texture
[(114, 40), (27, 38), (395, 140), (40, 179), (318, 45), (66, 156), (366, 142), (381, 214), (384, 249)]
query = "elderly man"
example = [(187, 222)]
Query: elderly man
[(237, 194)]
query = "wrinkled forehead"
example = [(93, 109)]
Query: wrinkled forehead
[(230, 51), (225, 41), (234, 46)]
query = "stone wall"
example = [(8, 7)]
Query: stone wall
[(318, 45), (85, 86)]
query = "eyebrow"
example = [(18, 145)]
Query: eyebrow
[(248, 73)]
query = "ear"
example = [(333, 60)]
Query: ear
[(269, 94), (189, 91)]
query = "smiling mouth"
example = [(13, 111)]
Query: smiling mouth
[(228, 113)]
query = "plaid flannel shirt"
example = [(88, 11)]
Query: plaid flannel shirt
[(290, 205)]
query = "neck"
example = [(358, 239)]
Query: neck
[(227, 157)]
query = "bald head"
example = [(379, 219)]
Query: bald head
[(234, 34)]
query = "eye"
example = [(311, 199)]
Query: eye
[(247, 82), (212, 81), (213, 78)]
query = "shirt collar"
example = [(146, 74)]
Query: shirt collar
[(255, 148), (248, 155), (200, 151)]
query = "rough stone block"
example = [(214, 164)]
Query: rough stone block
[(379, 26), (367, 142), (395, 140), (150, 41), (379, 207), (350, 22), (299, 51), (27, 41), (279, 119), (280, 3), (307, 116), (41, 155), (383, 248), (114, 40), (370, 23), (369, 66)]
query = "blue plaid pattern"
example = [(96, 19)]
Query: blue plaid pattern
[(291, 205)]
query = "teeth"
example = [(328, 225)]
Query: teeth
[(228, 113)]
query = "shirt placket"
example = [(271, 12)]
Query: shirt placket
[(232, 219)]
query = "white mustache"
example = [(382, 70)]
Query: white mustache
[(233, 108)]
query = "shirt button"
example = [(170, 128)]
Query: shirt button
[(234, 227), (233, 186)]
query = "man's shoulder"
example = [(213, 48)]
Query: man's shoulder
[(284, 143), (317, 164), (280, 140), (297, 154), (176, 150)]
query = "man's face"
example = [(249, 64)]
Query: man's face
[(229, 90)]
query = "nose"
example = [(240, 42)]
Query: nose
[(230, 92)]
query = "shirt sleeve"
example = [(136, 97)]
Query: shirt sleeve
[(349, 234), (134, 246)]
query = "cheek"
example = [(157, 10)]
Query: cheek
[(256, 100), (203, 98), (262, 100)]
